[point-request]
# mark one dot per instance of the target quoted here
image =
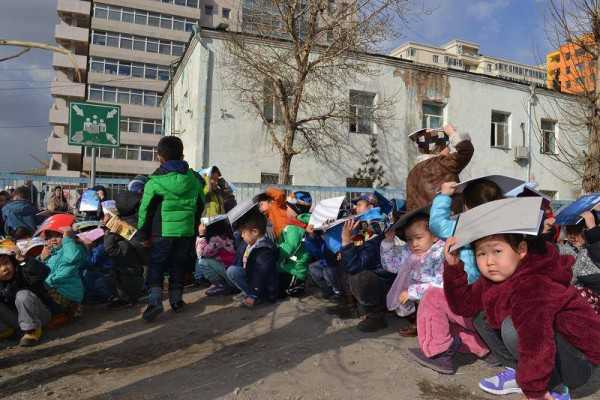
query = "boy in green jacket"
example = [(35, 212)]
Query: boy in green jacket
[(169, 214)]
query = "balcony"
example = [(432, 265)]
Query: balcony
[(68, 33), (59, 115), (73, 7), (63, 61), (68, 89)]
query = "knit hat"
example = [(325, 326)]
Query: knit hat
[(428, 139), (136, 185)]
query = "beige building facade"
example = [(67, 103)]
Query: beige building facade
[(124, 53), (465, 56)]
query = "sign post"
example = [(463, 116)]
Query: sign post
[(94, 125)]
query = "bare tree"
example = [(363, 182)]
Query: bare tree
[(573, 27), (295, 63)]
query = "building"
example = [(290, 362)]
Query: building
[(217, 130), (571, 70), (465, 56), (124, 52)]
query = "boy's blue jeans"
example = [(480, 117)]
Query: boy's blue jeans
[(325, 277), (237, 275), (213, 271), (168, 254)]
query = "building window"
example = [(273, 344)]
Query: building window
[(362, 106), (226, 13), (267, 178), (138, 43), (548, 136), (412, 52), (433, 115), (208, 9), (126, 68), (110, 94), (499, 132), (436, 58), (141, 17), (489, 67), (137, 126)]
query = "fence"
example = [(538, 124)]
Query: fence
[(243, 191)]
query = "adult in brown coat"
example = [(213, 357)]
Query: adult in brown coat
[(438, 162)]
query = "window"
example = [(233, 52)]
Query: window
[(433, 115), (412, 52), (106, 152), (489, 67), (147, 153), (124, 96), (226, 13), (362, 105), (567, 70), (267, 178), (436, 58), (548, 136), (208, 9), (579, 52), (100, 11), (499, 130), (138, 43), (567, 56)]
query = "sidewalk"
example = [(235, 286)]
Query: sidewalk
[(291, 351)]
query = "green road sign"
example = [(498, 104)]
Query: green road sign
[(94, 125)]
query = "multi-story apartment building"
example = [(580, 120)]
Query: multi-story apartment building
[(465, 56), (571, 70), (124, 53)]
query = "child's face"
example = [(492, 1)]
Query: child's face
[(576, 239), (7, 269), (362, 207), (53, 239), (250, 235), (264, 206), (496, 259), (419, 238)]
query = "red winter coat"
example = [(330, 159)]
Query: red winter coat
[(539, 299)]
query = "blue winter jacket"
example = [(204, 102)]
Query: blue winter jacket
[(442, 226), (17, 214)]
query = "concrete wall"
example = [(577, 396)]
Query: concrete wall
[(217, 129)]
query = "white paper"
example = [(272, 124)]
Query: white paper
[(326, 210), (520, 215)]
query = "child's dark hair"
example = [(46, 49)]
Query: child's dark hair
[(4, 193), (22, 233), (418, 217), (170, 148), (481, 191), (576, 229), (22, 192), (535, 244), (254, 220)]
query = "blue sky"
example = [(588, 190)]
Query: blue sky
[(512, 29)]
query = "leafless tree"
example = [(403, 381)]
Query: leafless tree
[(296, 61), (573, 27)]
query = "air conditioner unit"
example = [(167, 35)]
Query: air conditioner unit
[(521, 153)]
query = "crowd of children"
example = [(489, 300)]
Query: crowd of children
[(528, 304)]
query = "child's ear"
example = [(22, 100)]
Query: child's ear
[(522, 250)]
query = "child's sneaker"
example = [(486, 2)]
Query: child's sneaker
[(442, 363), (31, 338), (7, 333), (178, 307), (217, 290), (152, 312), (503, 383)]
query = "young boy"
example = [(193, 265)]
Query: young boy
[(169, 214), (436, 164), (19, 212), (255, 270)]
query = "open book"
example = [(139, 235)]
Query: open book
[(217, 226), (89, 201), (506, 183), (522, 215), (110, 207), (571, 214), (7, 247), (120, 227), (240, 211), (31, 247), (91, 236), (325, 211)]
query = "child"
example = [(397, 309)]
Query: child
[(416, 263), (215, 255), (255, 270), (436, 164), (169, 214), (24, 301), (19, 212), (324, 270), (539, 319), (367, 279), (289, 218), (97, 274)]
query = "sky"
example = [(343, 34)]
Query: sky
[(511, 29)]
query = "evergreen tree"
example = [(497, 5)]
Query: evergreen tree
[(370, 169)]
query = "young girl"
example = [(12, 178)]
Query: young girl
[(215, 255), (417, 265), (539, 319)]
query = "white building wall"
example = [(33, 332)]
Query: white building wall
[(220, 131)]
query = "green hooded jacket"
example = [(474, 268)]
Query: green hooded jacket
[(172, 202), (293, 259)]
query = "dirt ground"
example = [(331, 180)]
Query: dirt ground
[(291, 350)]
